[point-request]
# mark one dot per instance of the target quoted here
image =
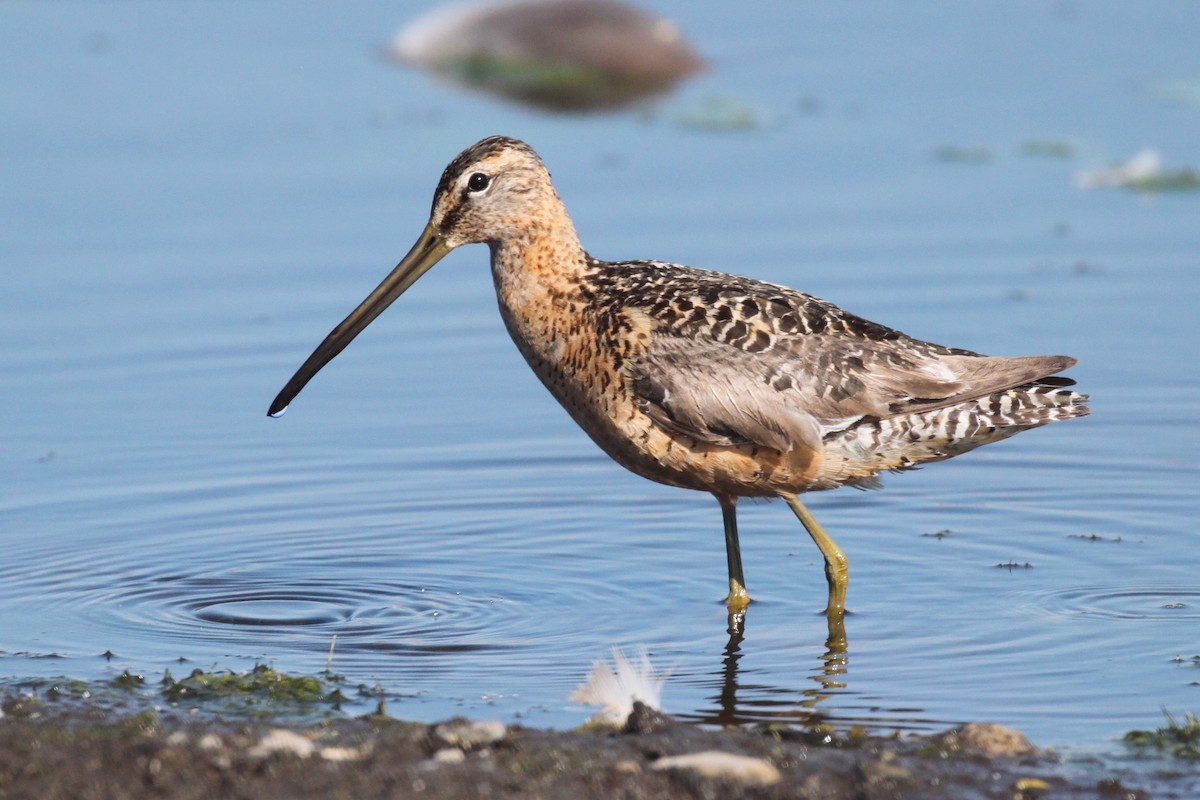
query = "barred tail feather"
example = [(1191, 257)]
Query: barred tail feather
[(905, 441)]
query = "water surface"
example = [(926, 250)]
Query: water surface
[(196, 193)]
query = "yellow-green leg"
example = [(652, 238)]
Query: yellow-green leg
[(738, 597), (837, 568)]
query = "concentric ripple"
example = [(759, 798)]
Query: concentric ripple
[(1173, 604), (250, 609), (269, 609)]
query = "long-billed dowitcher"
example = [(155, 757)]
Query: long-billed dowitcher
[(706, 380)]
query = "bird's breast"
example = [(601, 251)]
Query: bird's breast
[(581, 351)]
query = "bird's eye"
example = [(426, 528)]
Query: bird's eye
[(478, 182)]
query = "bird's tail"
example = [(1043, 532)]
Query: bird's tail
[(908, 440)]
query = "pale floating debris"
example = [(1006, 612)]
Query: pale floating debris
[(1142, 173), (719, 114), (724, 766), (1185, 92), (959, 154), (1047, 148), (616, 691), (1146, 163), (561, 55)]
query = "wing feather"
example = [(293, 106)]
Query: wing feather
[(793, 395), (778, 368)]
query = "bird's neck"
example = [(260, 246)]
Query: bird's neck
[(541, 263)]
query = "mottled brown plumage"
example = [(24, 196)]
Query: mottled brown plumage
[(706, 380)]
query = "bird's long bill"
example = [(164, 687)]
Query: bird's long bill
[(428, 250)]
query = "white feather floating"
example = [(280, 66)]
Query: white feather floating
[(616, 690)]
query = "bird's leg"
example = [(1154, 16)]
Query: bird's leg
[(738, 597), (837, 568)]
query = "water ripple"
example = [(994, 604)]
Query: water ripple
[(1108, 602), (240, 609)]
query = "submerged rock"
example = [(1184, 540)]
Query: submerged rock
[(985, 739), (560, 55)]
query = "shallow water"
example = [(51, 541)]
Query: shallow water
[(196, 193)]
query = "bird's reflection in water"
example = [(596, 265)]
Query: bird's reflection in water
[(798, 707)]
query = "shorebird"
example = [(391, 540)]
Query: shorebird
[(707, 380)]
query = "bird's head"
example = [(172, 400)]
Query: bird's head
[(497, 189)]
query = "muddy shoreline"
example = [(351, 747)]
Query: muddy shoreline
[(75, 751)]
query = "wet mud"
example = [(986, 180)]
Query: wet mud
[(74, 752)]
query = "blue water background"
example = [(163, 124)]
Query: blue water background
[(194, 193)]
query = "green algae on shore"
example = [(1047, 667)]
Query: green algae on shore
[(262, 683), (1176, 738)]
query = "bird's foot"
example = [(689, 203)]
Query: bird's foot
[(738, 598)]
